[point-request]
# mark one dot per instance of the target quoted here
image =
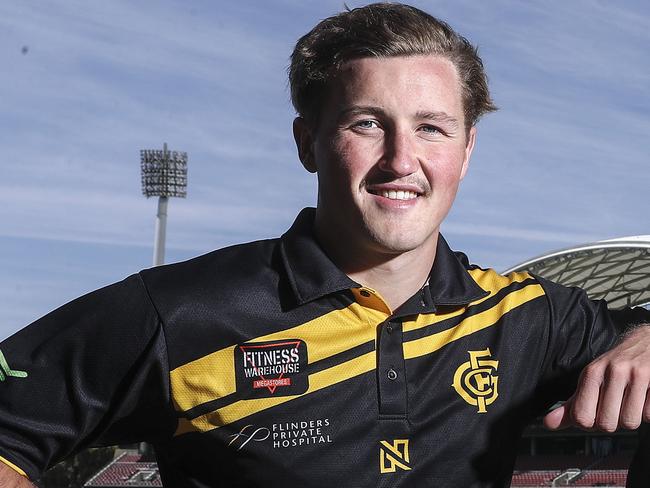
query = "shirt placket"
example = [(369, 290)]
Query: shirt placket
[(391, 371)]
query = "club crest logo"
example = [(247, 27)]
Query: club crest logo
[(394, 455), (275, 368), (475, 380)]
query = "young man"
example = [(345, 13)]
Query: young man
[(357, 350)]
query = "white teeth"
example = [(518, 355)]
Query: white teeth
[(398, 195)]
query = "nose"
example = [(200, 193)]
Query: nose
[(400, 154)]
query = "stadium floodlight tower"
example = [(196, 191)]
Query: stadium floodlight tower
[(164, 174)]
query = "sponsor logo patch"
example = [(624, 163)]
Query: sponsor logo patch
[(6, 371), (247, 434), (294, 434), (475, 380), (394, 455), (266, 369)]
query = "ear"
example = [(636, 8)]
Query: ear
[(469, 147), (305, 143)]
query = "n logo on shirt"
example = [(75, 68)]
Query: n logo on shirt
[(394, 455)]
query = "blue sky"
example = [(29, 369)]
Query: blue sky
[(86, 85)]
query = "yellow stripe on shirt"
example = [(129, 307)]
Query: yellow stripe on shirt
[(213, 376), (472, 324), (14, 467), (243, 408)]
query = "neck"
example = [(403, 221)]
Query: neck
[(396, 276), (397, 279)]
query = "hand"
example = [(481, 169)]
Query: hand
[(613, 389), (11, 479)]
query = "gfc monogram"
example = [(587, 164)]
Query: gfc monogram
[(475, 381)]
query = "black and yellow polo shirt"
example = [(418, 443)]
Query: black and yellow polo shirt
[(263, 365)]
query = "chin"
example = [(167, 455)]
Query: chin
[(396, 243)]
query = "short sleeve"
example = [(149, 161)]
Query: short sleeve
[(579, 331), (93, 372)]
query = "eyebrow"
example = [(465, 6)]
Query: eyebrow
[(360, 110), (434, 116), (443, 117)]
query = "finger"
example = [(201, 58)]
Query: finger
[(633, 405), (646, 408), (611, 398), (584, 406), (558, 418)]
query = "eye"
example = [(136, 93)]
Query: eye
[(430, 129), (366, 124)]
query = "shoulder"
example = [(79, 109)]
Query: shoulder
[(234, 260), (494, 282), (219, 274)]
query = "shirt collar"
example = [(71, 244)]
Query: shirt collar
[(312, 274), (449, 282)]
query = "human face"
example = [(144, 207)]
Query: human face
[(390, 150)]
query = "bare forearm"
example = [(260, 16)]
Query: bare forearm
[(11, 479)]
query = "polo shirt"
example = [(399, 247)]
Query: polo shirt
[(264, 365)]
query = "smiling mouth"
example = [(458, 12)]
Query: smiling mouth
[(395, 194)]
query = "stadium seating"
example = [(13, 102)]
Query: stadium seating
[(126, 471), (533, 478), (602, 477)]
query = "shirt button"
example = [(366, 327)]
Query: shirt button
[(392, 374), (389, 328), (364, 293)]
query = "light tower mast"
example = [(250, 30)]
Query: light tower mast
[(164, 174)]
